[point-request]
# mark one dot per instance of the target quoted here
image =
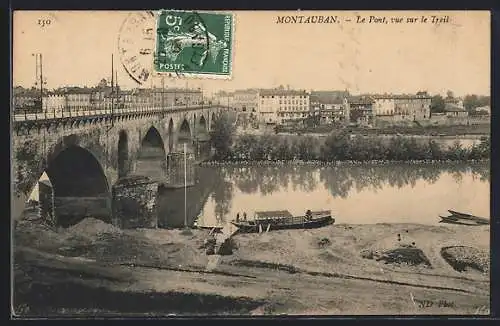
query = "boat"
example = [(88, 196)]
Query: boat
[(463, 219), (281, 220), (215, 228), (454, 220), (465, 216)]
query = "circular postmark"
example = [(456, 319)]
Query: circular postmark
[(136, 45), (182, 42)]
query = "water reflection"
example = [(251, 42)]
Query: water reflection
[(340, 180), (388, 193), (222, 195)]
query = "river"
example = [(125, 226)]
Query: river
[(394, 193)]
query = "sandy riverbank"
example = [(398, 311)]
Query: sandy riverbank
[(340, 269)]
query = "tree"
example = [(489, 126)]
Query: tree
[(437, 104), (473, 101), (221, 137), (356, 114)]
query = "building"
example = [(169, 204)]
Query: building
[(280, 106), (403, 107), (360, 110), (26, 99), (383, 105), (413, 107), (486, 110), (76, 97), (330, 106), (54, 102), (246, 100), (224, 98), (452, 110)]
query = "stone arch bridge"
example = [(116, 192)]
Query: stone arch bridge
[(85, 154)]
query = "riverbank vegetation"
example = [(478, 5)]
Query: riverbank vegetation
[(415, 130), (342, 146)]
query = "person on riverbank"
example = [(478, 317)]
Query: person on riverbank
[(237, 217), (244, 216)]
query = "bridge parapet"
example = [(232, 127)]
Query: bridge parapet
[(85, 112)]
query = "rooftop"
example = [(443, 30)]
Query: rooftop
[(360, 100), (328, 97), (450, 107), (401, 96), (246, 91), (282, 92)]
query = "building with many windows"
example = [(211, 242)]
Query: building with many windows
[(360, 110), (281, 106), (54, 102), (402, 107), (330, 106), (246, 100), (77, 97)]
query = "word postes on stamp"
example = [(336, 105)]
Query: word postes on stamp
[(196, 44)]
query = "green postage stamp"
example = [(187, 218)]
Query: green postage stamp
[(194, 43)]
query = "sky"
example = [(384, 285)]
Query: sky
[(362, 58)]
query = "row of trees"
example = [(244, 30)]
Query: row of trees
[(471, 102), (343, 147), (338, 146)]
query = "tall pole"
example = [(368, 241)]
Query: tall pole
[(36, 67), (162, 92), (112, 88), (185, 185), (116, 87), (41, 82)]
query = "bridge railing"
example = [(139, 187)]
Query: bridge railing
[(75, 112)]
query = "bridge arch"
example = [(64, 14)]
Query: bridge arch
[(77, 187), (184, 135), (77, 172), (202, 129), (123, 154), (212, 121), (151, 157)]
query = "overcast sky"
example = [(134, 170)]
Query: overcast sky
[(379, 58)]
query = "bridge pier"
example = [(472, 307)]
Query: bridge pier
[(135, 203)]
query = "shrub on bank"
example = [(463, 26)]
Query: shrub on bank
[(344, 147)]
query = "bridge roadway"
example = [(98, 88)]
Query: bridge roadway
[(85, 151), (98, 112)]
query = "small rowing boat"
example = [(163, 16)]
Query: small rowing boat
[(281, 220), (464, 219)]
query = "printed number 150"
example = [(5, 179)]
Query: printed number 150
[(44, 22)]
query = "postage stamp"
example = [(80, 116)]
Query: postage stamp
[(194, 43)]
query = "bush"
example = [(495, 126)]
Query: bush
[(341, 146)]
